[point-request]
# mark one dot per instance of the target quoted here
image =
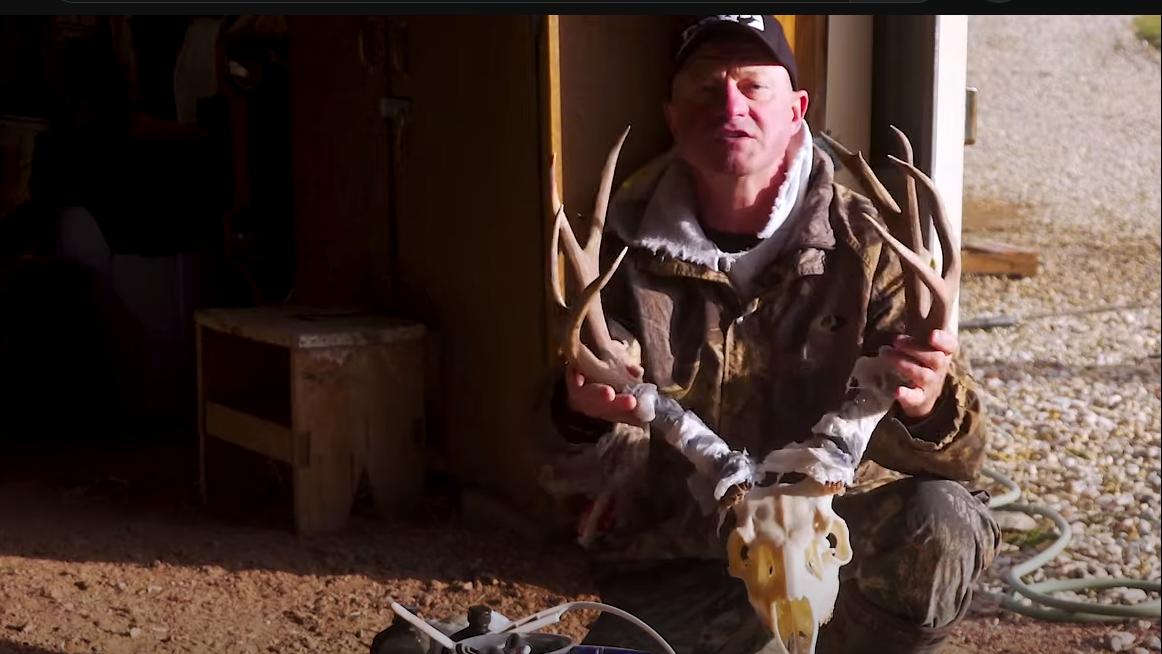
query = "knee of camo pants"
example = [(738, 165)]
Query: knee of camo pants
[(922, 558)]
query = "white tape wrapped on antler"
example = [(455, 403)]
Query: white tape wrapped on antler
[(836, 448), (717, 467), (840, 437)]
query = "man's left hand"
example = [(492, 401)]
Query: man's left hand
[(923, 367)]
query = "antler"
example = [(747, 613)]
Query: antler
[(925, 311), (608, 363), (781, 531)]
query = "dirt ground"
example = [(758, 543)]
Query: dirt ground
[(113, 553)]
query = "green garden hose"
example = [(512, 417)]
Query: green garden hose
[(1053, 608)]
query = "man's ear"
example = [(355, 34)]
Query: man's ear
[(799, 106)]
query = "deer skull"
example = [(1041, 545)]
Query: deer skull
[(787, 547)]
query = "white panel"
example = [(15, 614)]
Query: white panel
[(951, 78), (849, 84)]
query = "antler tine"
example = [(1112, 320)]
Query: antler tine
[(863, 172), (941, 296), (947, 285), (918, 270), (601, 204), (949, 245), (585, 269), (917, 299), (598, 327), (555, 239), (594, 367), (603, 363), (913, 206)]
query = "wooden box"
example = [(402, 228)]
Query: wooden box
[(335, 394)]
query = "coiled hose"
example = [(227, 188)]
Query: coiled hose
[(1053, 608)]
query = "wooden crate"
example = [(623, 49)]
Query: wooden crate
[(988, 258), (335, 394)]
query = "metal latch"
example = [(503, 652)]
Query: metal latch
[(970, 96)]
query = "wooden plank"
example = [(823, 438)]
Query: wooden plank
[(341, 146), (326, 418), (360, 410), (990, 258), (789, 23), (488, 306), (244, 430), (811, 55), (298, 327), (807, 35), (390, 393), (610, 71), (550, 81)]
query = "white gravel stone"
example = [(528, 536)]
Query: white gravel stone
[(1069, 161), (1118, 641)]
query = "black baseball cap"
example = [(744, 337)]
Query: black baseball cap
[(764, 30)]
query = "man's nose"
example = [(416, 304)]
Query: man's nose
[(733, 100)]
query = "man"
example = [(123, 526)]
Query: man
[(751, 288)]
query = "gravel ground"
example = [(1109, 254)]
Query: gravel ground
[(1069, 162), (108, 557)]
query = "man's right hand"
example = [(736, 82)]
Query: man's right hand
[(599, 400)]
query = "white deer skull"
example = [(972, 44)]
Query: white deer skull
[(787, 547), (787, 544)]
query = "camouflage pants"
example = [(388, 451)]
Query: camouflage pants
[(918, 547)]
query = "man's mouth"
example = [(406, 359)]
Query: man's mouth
[(731, 134)]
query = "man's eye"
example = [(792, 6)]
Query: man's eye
[(757, 91)]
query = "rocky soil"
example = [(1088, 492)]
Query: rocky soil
[(117, 556)]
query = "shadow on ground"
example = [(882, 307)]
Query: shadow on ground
[(15, 648), (140, 505)]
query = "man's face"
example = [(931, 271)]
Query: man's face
[(732, 111)]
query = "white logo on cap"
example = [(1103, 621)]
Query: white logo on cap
[(753, 22)]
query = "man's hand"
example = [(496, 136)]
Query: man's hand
[(599, 400), (923, 367)]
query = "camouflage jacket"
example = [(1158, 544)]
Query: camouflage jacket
[(759, 365)]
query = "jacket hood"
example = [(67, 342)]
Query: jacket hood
[(655, 209)]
